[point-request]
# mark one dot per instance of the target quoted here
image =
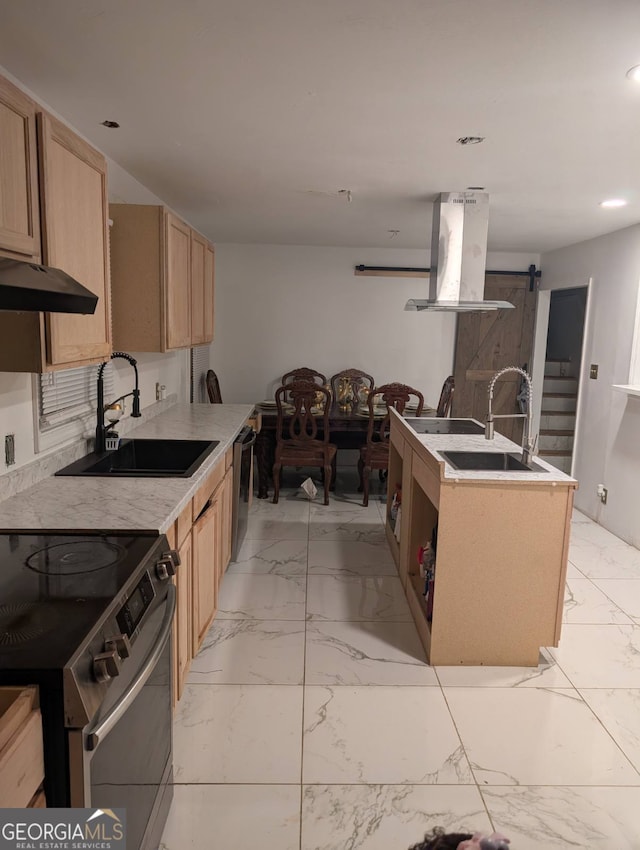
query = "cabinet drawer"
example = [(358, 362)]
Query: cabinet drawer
[(211, 483), (21, 755), (228, 458)]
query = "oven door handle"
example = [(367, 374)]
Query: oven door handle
[(95, 735)]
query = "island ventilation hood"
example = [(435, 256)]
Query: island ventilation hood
[(458, 255), (32, 287)]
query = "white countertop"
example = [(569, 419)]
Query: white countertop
[(437, 443), (128, 504)]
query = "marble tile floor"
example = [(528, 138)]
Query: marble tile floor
[(311, 720)]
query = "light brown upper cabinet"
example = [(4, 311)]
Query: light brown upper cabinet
[(19, 210), (161, 279), (74, 238), (73, 189)]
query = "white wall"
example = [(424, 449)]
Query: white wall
[(279, 307), (608, 450)]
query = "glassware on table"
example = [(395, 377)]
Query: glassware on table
[(345, 393)]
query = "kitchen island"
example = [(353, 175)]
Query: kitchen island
[(501, 545)]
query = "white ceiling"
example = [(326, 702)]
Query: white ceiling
[(249, 116)]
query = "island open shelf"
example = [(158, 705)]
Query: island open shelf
[(501, 555)]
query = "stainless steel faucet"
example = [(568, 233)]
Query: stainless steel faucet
[(527, 432)]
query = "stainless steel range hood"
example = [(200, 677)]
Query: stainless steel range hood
[(458, 255), (32, 287)]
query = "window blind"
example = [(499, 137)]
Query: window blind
[(199, 367), (70, 393)]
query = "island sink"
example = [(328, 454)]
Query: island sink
[(490, 462), (145, 459), (433, 425)]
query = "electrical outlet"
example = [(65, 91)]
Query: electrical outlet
[(10, 449), (602, 492), (593, 371)]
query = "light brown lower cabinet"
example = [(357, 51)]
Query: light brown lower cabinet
[(21, 750), (202, 536), (206, 569)]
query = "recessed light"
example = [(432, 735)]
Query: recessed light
[(634, 73), (470, 140), (613, 202), (113, 125)]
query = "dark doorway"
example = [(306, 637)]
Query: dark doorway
[(567, 311)]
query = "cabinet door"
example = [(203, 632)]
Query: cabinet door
[(206, 560), (198, 271), (208, 294), (183, 614), (177, 283), (73, 189), (19, 210)]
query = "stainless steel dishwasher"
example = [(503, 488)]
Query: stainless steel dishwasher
[(242, 459)]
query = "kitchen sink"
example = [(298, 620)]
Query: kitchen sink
[(490, 462), (145, 459), (427, 425)]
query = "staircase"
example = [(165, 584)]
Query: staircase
[(558, 415)]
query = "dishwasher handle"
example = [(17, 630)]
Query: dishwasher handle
[(249, 443)]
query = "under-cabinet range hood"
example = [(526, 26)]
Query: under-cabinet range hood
[(458, 255), (29, 286)]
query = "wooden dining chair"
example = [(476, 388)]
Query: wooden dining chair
[(213, 387), (298, 439), (446, 397), (375, 453), (355, 378)]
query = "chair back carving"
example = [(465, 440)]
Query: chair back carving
[(446, 397), (355, 379), (213, 387), (392, 395), (304, 373), (301, 425)]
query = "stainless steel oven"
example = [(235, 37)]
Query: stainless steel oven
[(88, 619), (123, 757)]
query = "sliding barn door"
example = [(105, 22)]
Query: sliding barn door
[(487, 342)]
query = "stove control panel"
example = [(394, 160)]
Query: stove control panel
[(138, 601)]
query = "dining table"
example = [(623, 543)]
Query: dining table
[(347, 430)]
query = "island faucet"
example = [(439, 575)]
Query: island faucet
[(101, 429), (527, 431)]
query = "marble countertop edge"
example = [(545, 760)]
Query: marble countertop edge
[(128, 504)]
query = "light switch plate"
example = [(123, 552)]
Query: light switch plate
[(593, 371)]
